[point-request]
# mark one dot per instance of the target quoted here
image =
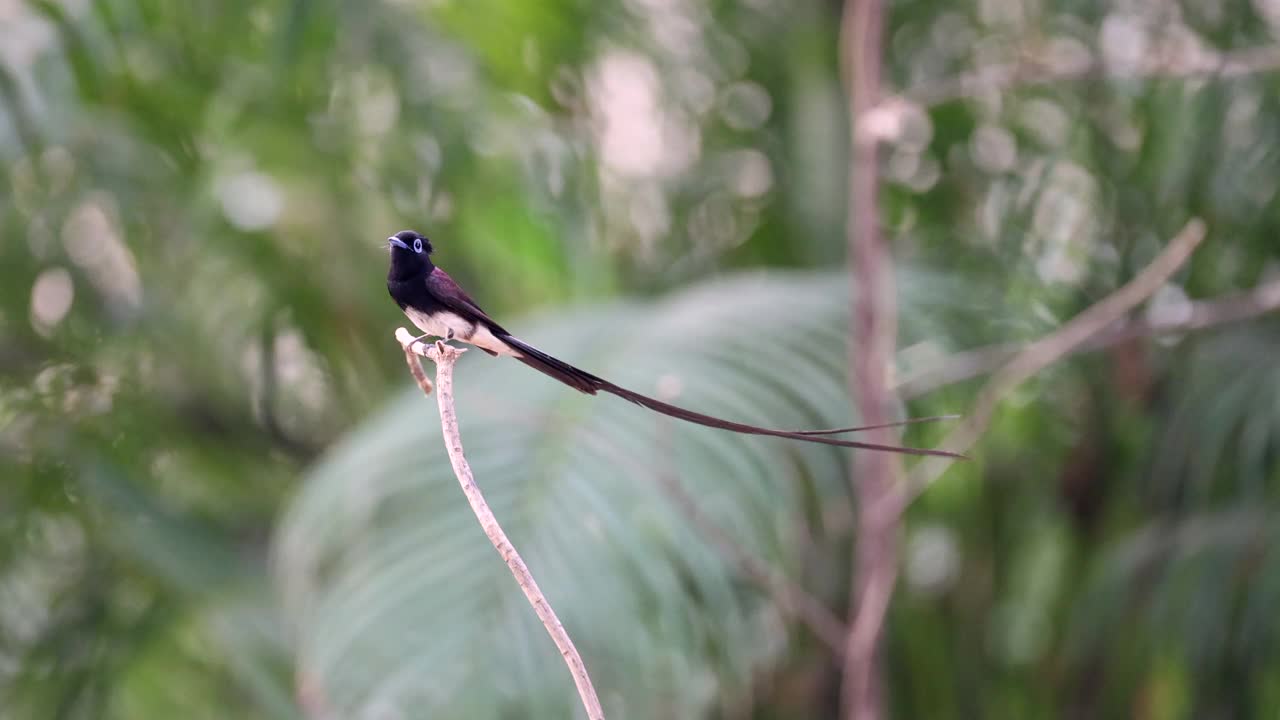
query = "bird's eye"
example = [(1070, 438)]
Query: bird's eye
[(417, 245)]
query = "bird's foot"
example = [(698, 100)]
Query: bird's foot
[(424, 336), (445, 350)]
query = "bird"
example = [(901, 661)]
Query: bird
[(440, 308)]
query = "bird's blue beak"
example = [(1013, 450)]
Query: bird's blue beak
[(397, 242)]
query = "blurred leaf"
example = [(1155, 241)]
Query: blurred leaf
[(389, 581)]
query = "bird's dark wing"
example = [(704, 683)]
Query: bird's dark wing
[(449, 294)]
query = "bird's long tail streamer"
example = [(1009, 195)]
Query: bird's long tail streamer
[(584, 381)]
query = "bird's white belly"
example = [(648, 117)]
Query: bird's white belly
[(452, 325)]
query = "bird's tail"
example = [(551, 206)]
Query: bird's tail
[(579, 380), (584, 381)]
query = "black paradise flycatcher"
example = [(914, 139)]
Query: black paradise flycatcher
[(436, 305)]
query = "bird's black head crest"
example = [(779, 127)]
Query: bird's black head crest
[(409, 254)]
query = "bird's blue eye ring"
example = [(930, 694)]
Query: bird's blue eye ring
[(417, 245)]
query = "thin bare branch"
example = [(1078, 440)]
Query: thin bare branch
[(873, 335), (790, 597), (1051, 348), (1040, 71), (444, 357), (1200, 315)]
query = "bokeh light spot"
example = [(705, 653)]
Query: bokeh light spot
[(251, 200), (51, 298)]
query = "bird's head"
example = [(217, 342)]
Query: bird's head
[(410, 253)]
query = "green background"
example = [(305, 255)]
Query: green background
[(221, 496)]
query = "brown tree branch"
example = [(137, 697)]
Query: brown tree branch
[(1049, 349), (444, 357), (873, 335), (1201, 315)]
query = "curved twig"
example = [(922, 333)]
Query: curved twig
[(1204, 314), (1044, 352), (444, 357)]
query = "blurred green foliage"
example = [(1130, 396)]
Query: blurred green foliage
[(219, 496)]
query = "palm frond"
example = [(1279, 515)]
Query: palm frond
[(398, 600)]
